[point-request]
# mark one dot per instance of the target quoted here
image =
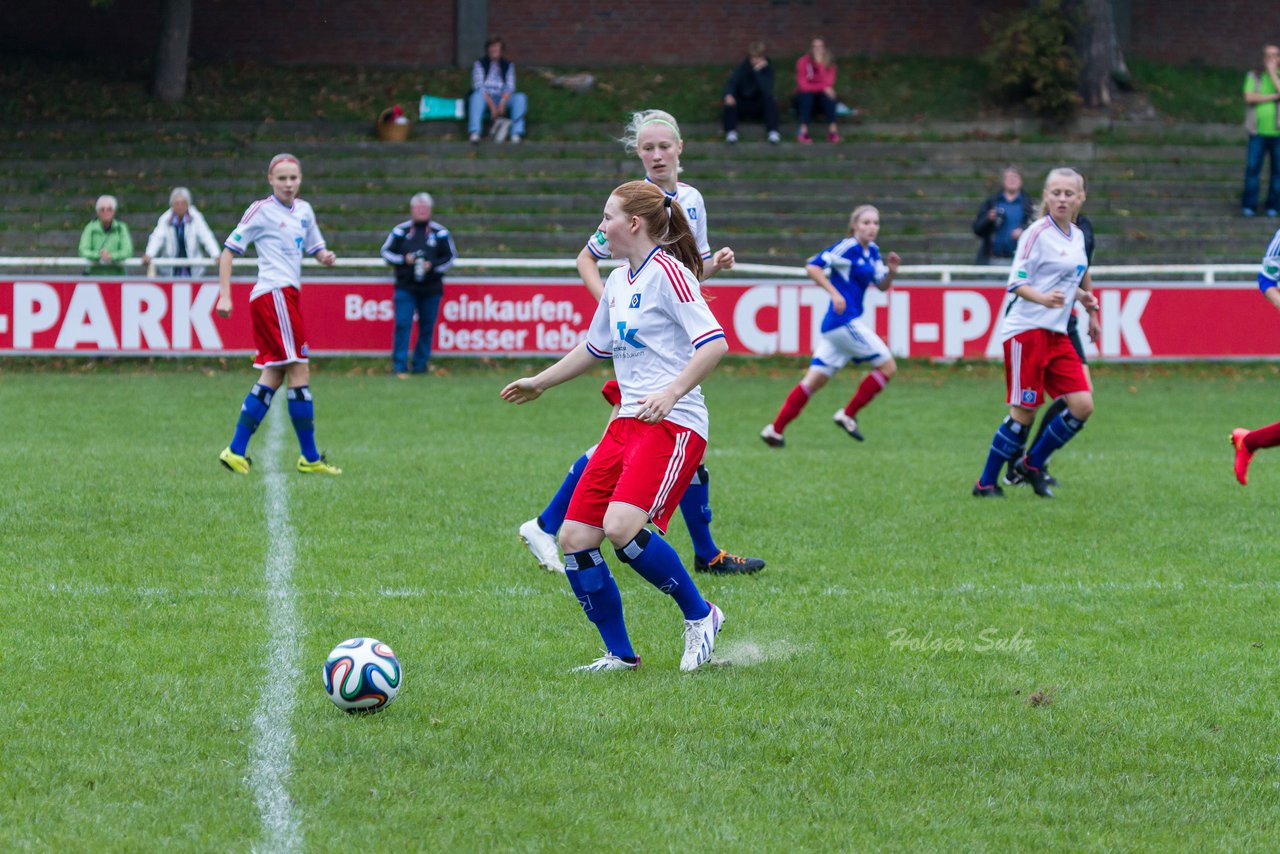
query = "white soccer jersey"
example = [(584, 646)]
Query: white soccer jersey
[(282, 236), (650, 322), (1048, 259), (695, 210)]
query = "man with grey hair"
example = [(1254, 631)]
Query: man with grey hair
[(105, 242), (420, 250), (181, 232)]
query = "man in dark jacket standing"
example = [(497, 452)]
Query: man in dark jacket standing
[(1001, 219), (749, 95), (420, 251)]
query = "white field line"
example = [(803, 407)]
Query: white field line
[(273, 734)]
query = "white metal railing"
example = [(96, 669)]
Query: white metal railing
[(1207, 273)]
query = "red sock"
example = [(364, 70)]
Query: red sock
[(1263, 437), (791, 407), (870, 387)]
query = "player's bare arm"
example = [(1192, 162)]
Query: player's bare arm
[(223, 306), (820, 279), (893, 261), (1053, 299), (655, 407), (575, 363), (589, 272), (1273, 296)]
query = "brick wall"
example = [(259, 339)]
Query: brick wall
[(594, 32)]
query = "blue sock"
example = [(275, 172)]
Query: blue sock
[(1060, 431), (695, 506), (598, 595), (303, 413), (252, 411), (659, 565), (552, 517), (1006, 445)]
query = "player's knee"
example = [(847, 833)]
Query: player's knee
[(1082, 407), (889, 368), (620, 529)]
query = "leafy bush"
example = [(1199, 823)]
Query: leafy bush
[(1032, 61)]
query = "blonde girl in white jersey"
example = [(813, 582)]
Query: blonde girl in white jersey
[(654, 136), (1041, 363), (283, 228), (664, 340)]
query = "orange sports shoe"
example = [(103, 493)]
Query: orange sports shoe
[(1244, 456)]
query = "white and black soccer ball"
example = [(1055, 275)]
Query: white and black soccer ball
[(362, 675)]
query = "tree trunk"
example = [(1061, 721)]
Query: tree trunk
[(174, 48), (1102, 62)]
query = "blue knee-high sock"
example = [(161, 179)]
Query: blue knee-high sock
[(1006, 445), (1060, 431), (598, 595), (659, 565), (252, 411), (695, 506), (552, 517), (303, 413)]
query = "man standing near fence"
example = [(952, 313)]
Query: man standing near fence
[(421, 251)]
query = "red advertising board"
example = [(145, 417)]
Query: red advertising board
[(510, 317)]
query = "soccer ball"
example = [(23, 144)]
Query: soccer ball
[(361, 675)]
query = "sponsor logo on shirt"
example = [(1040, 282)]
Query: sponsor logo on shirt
[(600, 238), (1022, 274), (628, 336)]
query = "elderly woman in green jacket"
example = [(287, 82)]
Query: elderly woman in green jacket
[(105, 242)]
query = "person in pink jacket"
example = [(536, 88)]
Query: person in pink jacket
[(816, 83)]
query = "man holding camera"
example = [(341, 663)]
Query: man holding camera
[(1001, 219)]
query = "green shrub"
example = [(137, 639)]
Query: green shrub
[(1032, 61)]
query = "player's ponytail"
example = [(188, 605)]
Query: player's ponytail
[(664, 219)]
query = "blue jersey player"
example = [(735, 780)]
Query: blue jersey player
[(845, 271)]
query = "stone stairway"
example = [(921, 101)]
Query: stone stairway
[(1150, 203)]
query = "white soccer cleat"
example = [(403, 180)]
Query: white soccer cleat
[(772, 437), (607, 662), (847, 424), (542, 545), (700, 639)]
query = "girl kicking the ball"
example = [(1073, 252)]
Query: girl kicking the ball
[(282, 227), (654, 323)]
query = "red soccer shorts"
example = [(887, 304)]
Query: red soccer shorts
[(1041, 362), (644, 465), (277, 328)]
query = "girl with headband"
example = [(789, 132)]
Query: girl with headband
[(282, 227)]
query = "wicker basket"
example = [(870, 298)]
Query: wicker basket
[(388, 130)]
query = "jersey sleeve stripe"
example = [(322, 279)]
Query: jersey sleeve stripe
[(599, 354), (1036, 230), (676, 276), (707, 338), (234, 249), (593, 251), (253, 209)]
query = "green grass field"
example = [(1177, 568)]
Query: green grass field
[(915, 668)]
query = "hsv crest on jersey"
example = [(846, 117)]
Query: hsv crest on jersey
[(635, 301), (1028, 397)]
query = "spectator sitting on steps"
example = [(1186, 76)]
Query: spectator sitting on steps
[(493, 85), (749, 95)]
